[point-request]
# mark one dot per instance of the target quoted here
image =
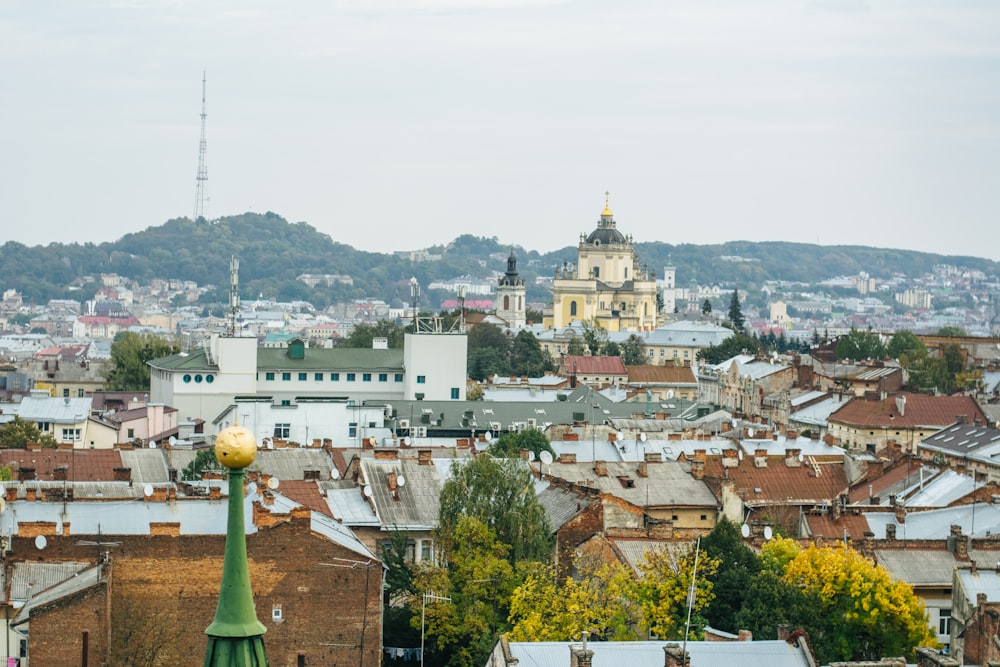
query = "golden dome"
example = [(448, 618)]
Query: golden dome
[(235, 447), (607, 210)]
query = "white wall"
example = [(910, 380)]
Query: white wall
[(440, 360)]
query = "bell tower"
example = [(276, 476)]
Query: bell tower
[(510, 295)]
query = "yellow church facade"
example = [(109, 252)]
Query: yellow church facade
[(606, 285)]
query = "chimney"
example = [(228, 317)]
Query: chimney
[(981, 600), (601, 468), (792, 457), (760, 458), (643, 469), (730, 458), (791, 434), (59, 474), (961, 546), (567, 457), (783, 632), (900, 510), (699, 454), (698, 469), (675, 656), (868, 545), (123, 474), (581, 656), (744, 636), (656, 457), (890, 531), (214, 492), (972, 566), (392, 482), (423, 457)]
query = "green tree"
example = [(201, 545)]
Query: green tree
[(128, 369), (576, 347), (500, 493), (595, 336), (905, 342), (19, 433), (857, 345), (510, 444), (736, 312), (489, 352), (612, 349), (634, 351), (738, 567), (527, 356), (706, 307), (952, 332), (363, 334), (204, 461), (738, 343)]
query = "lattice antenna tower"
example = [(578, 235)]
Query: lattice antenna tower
[(234, 295), (202, 178)]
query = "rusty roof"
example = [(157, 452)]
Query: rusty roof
[(306, 493), (661, 375), (779, 482), (906, 410), (593, 365), (83, 465), (850, 525)]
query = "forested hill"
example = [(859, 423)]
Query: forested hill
[(273, 251)]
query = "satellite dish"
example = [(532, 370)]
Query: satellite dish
[(400, 480), (251, 488), (670, 393), (367, 490), (619, 436), (749, 432), (41, 542), (801, 457), (546, 457), (768, 533), (739, 452), (404, 441), (488, 436), (147, 490), (152, 444), (642, 436), (531, 456), (745, 530), (172, 440), (3, 491), (334, 474), (272, 482)]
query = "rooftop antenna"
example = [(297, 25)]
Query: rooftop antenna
[(234, 294), (202, 178)]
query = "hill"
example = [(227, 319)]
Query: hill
[(273, 251)]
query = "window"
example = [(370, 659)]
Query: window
[(426, 550), (210, 379), (335, 377), (130, 433), (704, 517), (282, 430), (269, 376), (302, 377), (187, 378), (421, 379), (79, 393), (197, 377), (454, 393), (286, 377), (350, 377), (70, 434), (944, 621), (352, 429), (318, 377), (398, 377), (572, 308), (276, 613), (383, 377), (66, 392), (366, 377)]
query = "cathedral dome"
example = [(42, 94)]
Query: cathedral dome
[(605, 235)]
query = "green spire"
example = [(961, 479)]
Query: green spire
[(235, 637)]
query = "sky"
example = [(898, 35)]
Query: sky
[(400, 124)]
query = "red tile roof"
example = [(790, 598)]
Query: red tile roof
[(307, 493), (918, 410), (825, 526), (779, 482), (593, 365)]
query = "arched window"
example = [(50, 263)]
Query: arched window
[(506, 302), (597, 272), (572, 308)]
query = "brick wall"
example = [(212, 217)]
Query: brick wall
[(574, 532), (331, 614), (58, 631)]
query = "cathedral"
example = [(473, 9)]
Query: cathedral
[(606, 284)]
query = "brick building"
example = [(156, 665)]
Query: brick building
[(317, 589)]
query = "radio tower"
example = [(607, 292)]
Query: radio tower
[(202, 179)]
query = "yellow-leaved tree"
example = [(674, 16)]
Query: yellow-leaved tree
[(865, 614), (663, 590)]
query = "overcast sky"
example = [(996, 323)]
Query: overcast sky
[(399, 124)]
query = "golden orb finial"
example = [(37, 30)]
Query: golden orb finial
[(235, 447), (607, 210)]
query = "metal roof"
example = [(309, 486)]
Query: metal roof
[(149, 466), (768, 653), (349, 506), (414, 504), (75, 583), (28, 578), (979, 520), (668, 484), (561, 505), (55, 410)]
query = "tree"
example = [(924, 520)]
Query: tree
[(706, 307), (736, 312), (144, 629), (575, 347), (510, 444), (500, 493), (19, 433), (362, 335), (857, 345), (738, 567), (952, 332), (202, 462), (128, 369), (599, 599), (489, 352), (663, 591), (595, 336), (905, 342), (738, 343), (864, 613), (634, 351), (612, 349), (527, 356)]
